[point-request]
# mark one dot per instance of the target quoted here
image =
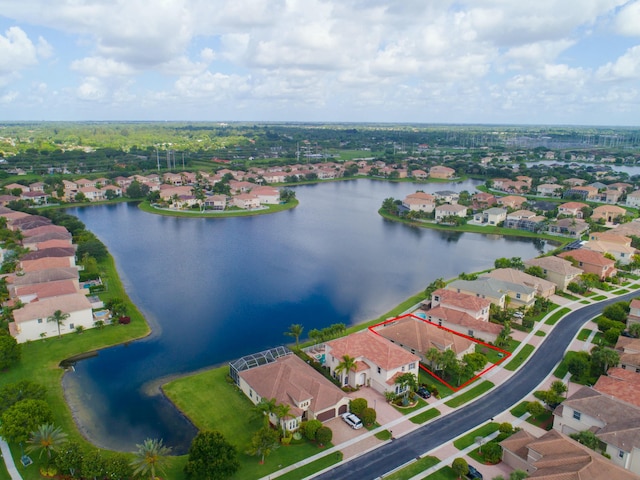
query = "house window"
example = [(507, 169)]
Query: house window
[(470, 333), (436, 298), (576, 415), (250, 393), (412, 366), (621, 453), (71, 326), (346, 379), (580, 263), (517, 295), (403, 368), (39, 320), (379, 370)]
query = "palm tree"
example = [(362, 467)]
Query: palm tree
[(46, 439), (264, 408), (149, 457), (295, 331), (346, 365), (59, 317), (434, 357), (283, 411)]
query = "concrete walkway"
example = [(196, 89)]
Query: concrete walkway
[(8, 460)]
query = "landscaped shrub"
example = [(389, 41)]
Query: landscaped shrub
[(324, 435), (506, 427), (357, 405), (310, 428), (124, 320), (492, 452), (368, 416), (576, 288)]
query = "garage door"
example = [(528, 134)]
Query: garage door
[(342, 409), (329, 414)]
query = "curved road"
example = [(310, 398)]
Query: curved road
[(384, 459)]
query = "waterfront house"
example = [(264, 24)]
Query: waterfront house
[(573, 209), (557, 270), (291, 381), (550, 189), (569, 227), (419, 174), (36, 198), (378, 361), (622, 253), (483, 200), (216, 202), (511, 201), (44, 276), (633, 199), (447, 196), (590, 262), (544, 288), (267, 195), (439, 171), (491, 216), (525, 220), (38, 291), (419, 202), (30, 321), (445, 211), (246, 201)]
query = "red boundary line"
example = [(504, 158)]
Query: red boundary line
[(475, 340)]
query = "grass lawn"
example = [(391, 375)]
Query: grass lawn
[(445, 473), (470, 394), (519, 358), (313, 467), (599, 297), (414, 469), (544, 421), (470, 438), (540, 333), (541, 315), (443, 390), (231, 415), (419, 404), (567, 295), (384, 435), (585, 302), (622, 291), (425, 416), (553, 319), (41, 359), (584, 334), (146, 207), (635, 286), (519, 409)]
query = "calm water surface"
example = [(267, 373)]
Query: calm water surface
[(217, 289)]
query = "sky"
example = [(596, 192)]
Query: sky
[(555, 62)]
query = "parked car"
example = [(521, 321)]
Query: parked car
[(352, 420), (518, 314), (474, 473), (423, 392)]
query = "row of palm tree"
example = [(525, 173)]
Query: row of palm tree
[(270, 406)]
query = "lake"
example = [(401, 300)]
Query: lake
[(217, 289)]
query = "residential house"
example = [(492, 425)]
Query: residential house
[(550, 189), (496, 291), (483, 200), (611, 196), (634, 312), (16, 186), (27, 223), (569, 227), (45, 263), (30, 322), (629, 351), (622, 253), (31, 242), (615, 422), (544, 288), (246, 201), (216, 202), (445, 211), (117, 191), (511, 201), (418, 336), (491, 216), (555, 456), (573, 209), (608, 213), (420, 202), (623, 383), (525, 220), (84, 183), (37, 198), (610, 236), (292, 382), (472, 305), (557, 270), (38, 291), (241, 186), (419, 174), (378, 361), (591, 262), (439, 171), (585, 193), (44, 276), (447, 196), (633, 199), (267, 195), (37, 187), (575, 182), (92, 194)]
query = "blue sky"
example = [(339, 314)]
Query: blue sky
[(427, 61)]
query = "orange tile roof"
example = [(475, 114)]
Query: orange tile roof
[(374, 348), (464, 320), (588, 256), (453, 299), (621, 384), (45, 263)]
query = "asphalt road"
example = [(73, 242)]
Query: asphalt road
[(384, 459)]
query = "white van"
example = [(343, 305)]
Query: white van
[(352, 420)]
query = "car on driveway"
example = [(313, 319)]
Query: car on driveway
[(352, 420), (474, 473), (423, 392)]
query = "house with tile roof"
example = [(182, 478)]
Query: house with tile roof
[(491, 216), (634, 312), (45, 263), (418, 336), (614, 422), (573, 209), (591, 262), (378, 361), (550, 189), (443, 212), (439, 171), (620, 383), (496, 291), (292, 382), (622, 253), (555, 456), (30, 321), (419, 202), (633, 199), (544, 288), (42, 276), (38, 291), (557, 270), (511, 201), (569, 227), (629, 351), (608, 213)]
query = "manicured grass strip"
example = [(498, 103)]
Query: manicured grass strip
[(414, 469), (445, 473), (384, 435), (553, 319), (470, 438), (635, 286), (470, 394), (311, 468), (519, 358), (425, 416), (585, 302), (584, 334), (622, 291), (519, 409), (599, 297), (419, 404), (567, 295), (540, 333)]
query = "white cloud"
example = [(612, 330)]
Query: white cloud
[(101, 67), (628, 19), (626, 67), (17, 52), (91, 89)]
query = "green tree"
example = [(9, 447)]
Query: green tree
[(389, 206), (263, 442), (368, 416), (59, 318), (357, 405), (12, 393), (437, 284), (94, 465), (475, 361), (310, 428), (211, 457), (460, 467), (283, 411), (434, 357), (634, 329), (295, 331), (536, 271), (535, 408), (602, 358), (618, 311), (137, 190), (47, 439), (324, 435), (347, 365), (587, 438), (265, 408), (407, 382), (150, 457), (117, 466), (19, 420), (10, 351), (69, 459), (579, 364), (518, 475), (492, 452)]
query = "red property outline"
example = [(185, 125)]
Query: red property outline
[(475, 340)]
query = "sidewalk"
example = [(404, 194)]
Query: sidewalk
[(8, 460)]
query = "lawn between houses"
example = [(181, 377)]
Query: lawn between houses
[(147, 207), (40, 359)]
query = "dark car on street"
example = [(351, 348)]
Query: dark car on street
[(423, 392)]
